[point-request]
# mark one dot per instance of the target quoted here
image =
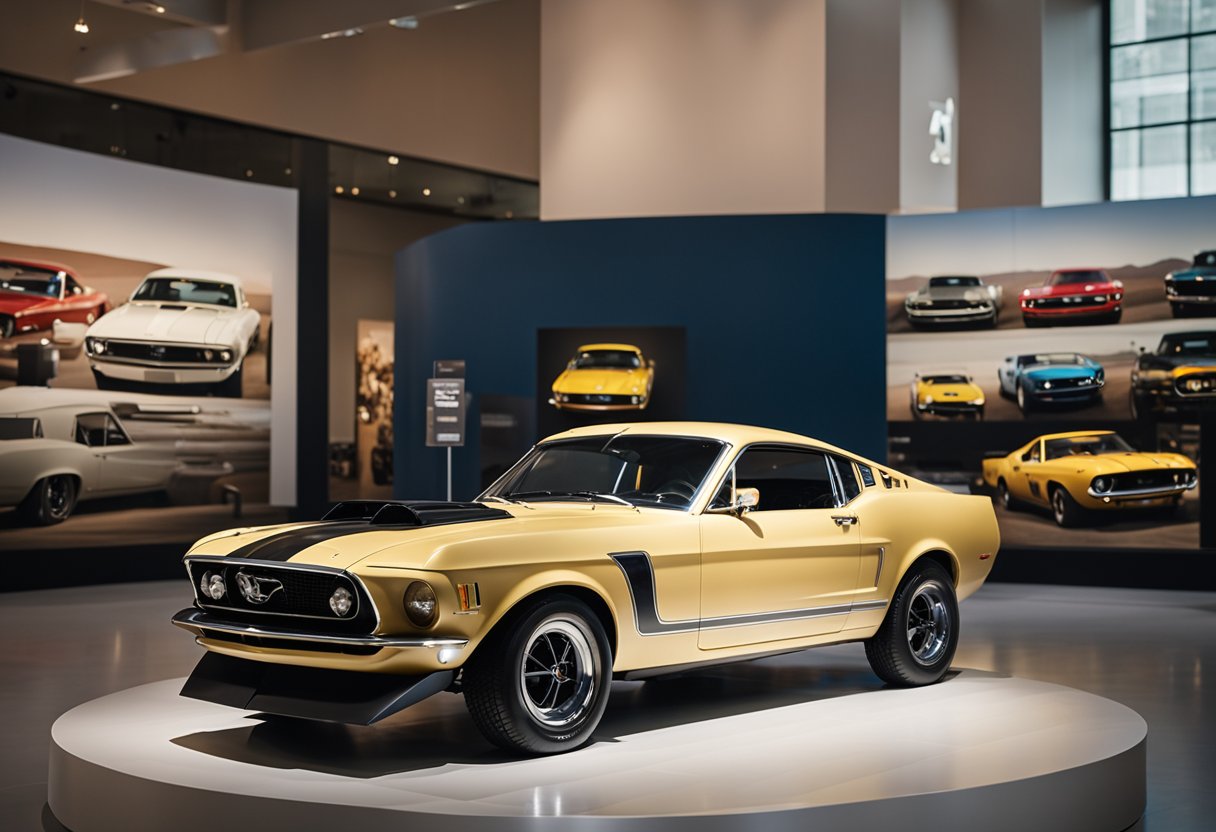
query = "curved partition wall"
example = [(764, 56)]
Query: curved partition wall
[(782, 318)]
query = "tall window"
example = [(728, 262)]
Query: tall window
[(1162, 98)]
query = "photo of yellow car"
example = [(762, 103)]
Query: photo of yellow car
[(607, 552), (1079, 472), (946, 394), (605, 377)]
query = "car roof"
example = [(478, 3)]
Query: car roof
[(40, 264), (736, 435), (196, 274), (23, 399), (625, 347), (1073, 433)]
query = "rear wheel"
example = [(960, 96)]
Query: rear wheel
[(541, 686), (917, 639), (50, 501), (1007, 500)]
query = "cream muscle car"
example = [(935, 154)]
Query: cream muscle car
[(179, 327), (1081, 471), (620, 551), (56, 451)]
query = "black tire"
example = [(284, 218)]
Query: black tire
[(1004, 497), (1139, 405), (562, 642), (1025, 402), (1030, 323), (1067, 513), (1114, 317), (50, 501), (916, 641), (231, 388), (7, 325), (1178, 310)]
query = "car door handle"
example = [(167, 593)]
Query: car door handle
[(844, 519)]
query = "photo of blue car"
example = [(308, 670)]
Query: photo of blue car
[(1040, 379)]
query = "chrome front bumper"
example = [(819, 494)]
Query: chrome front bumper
[(201, 623)]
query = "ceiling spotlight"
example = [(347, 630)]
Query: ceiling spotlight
[(426, 191), (393, 160), (339, 190), (160, 9), (81, 26), (342, 33), (404, 22), (392, 194), (354, 191)]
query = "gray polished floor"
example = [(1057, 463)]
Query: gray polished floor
[(1148, 650)]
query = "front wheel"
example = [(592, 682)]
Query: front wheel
[(230, 388), (1025, 401), (541, 686), (1064, 508), (917, 639)]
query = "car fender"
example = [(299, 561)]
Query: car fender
[(33, 460)]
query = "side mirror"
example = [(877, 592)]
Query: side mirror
[(746, 499)]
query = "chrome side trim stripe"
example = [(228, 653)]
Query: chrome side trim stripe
[(639, 576), (200, 623)]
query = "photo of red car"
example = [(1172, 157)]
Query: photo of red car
[(1073, 296), (34, 295)]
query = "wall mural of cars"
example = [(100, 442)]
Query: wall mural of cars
[(180, 327), (35, 295), (1100, 342)]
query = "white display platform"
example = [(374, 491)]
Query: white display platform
[(979, 751)]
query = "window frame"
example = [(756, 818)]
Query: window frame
[(838, 492)]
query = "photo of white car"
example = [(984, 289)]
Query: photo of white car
[(56, 452), (180, 327)]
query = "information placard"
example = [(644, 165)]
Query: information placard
[(445, 412)]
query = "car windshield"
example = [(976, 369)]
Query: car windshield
[(607, 360), (1188, 343), (181, 290), (947, 379), (1069, 278), (954, 281), (1205, 258), (1053, 358), (658, 471), (30, 280), (1098, 443)]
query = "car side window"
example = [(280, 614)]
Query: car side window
[(848, 479), (99, 430), (787, 478), (1032, 455), (73, 286)]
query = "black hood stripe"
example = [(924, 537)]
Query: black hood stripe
[(286, 545)]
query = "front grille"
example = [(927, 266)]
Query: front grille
[(597, 398), (300, 602), (1069, 302), (1068, 384), (162, 353), (951, 304), (1193, 288), (1139, 480), (1196, 384)]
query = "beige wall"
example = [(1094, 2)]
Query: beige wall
[(462, 88), (666, 107), (362, 241)]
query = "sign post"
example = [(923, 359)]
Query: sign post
[(445, 410)]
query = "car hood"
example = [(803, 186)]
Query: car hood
[(612, 382), (1071, 289), (1193, 273), (949, 293), (1051, 372), (1120, 463), (468, 544), (12, 303), (951, 392), (175, 323), (1177, 363)]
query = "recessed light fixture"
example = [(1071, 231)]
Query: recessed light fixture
[(342, 33), (393, 160), (404, 22), (354, 191), (248, 172), (426, 191), (160, 9), (392, 194), (339, 190)]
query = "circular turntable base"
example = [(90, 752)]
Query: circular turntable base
[(773, 746)]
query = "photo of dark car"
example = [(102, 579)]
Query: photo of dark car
[(954, 300), (1177, 377), (1193, 291)]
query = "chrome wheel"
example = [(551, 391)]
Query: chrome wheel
[(1057, 505), (58, 497), (558, 672), (929, 623)]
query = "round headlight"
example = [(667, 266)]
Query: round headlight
[(212, 585), (420, 605), (208, 355), (341, 601), (97, 346), (1103, 484), (225, 355), (1047, 385), (633, 399)]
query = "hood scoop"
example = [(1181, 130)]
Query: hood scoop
[(412, 512), (177, 307)]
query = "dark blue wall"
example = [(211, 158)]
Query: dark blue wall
[(784, 318)]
